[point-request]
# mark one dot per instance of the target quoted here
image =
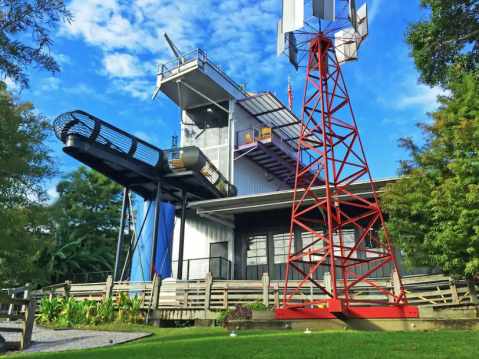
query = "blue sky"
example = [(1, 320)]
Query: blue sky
[(110, 52)]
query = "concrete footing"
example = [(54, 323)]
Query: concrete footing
[(459, 317)]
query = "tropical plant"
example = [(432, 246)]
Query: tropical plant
[(129, 306), (69, 310), (444, 44), (25, 39), (434, 209), (87, 220), (49, 310), (26, 164)]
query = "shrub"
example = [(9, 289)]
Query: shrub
[(240, 312), (49, 311), (126, 305), (70, 312)]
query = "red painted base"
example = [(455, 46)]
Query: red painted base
[(351, 313)]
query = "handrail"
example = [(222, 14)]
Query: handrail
[(204, 59)]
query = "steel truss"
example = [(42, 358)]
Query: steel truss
[(340, 158)]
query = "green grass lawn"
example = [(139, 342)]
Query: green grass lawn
[(216, 343)]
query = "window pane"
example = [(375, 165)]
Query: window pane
[(281, 244), (261, 260), (308, 237), (256, 253), (261, 253)]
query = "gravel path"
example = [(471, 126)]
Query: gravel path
[(47, 340)]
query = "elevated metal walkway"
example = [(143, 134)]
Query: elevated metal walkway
[(138, 165), (273, 142)]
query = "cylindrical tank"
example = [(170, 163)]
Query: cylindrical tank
[(141, 261)]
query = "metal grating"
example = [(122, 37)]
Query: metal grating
[(83, 124), (266, 107)]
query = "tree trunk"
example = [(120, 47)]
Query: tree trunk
[(472, 290)]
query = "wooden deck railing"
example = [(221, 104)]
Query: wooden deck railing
[(19, 309), (432, 290)]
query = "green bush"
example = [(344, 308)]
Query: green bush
[(240, 312), (49, 310), (68, 312)]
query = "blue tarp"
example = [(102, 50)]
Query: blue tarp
[(140, 269)]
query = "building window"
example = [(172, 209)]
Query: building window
[(256, 254), (349, 240), (281, 245), (308, 237), (373, 245)]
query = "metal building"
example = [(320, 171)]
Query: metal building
[(252, 139)]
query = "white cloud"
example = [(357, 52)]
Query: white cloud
[(137, 88), (11, 85), (49, 85), (421, 96), (80, 89), (374, 9), (127, 32), (52, 84), (62, 59), (146, 137), (125, 65), (53, 194)]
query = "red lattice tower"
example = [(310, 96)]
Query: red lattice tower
[(330, 135)]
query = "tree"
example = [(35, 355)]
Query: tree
[(87, 221), (434, 209), (445, 44), (26, 162), (36, 18)]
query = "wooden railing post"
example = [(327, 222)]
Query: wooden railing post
[(225, 295), (109, 287), (10, 308), (276, 295), (208, 284), (155, 296), (472, 291), (26, 295), (26, 341), (327, 282), (66, 289), (52, 293), (452, 287), (396, 285), (185, 299), (265, 282)]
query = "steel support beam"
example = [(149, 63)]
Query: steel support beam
[(156, 227), (121, 236), (205, 97), (182, 235)]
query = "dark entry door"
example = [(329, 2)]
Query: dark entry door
[(219, 249), (219, 264)]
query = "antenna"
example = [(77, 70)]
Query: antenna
[(173, 48), (174, 141), (333, 151)]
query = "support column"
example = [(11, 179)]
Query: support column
[(156, 225), (182, 235), (121, 236)]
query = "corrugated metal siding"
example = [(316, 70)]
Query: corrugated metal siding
[(278, 221), (250, 179), (199, 233)]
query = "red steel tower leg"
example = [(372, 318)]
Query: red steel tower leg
[(330, 135)]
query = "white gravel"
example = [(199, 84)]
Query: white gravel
[(47, 340)]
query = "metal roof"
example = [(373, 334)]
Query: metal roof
[(266, 107), (280, 199)]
